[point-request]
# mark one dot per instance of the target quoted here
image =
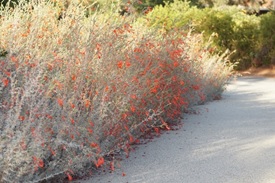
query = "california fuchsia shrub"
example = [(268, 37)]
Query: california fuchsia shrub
[(77, 89)]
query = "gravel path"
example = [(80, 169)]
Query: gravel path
[(231, 141)]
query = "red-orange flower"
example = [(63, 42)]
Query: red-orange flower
[(72, 121), (112, 166), (52, 151), (70, 178), (90, 130), (60, 102), (133, 109), (99, 162), (87, 103), (14, 59), (195, 87), (154, 90), (120, 64), (128, 64), (50, 66), (72, 105), (38, 162), (91, 123), (73, 77), (5, 81), (156, 130), (124, 115), (93, 144), (176, 64), (133, 96), (7, 73), (21, 118), (126, 127), (131, 139), (41, 163)]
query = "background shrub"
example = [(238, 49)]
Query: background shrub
[(233, 29), (8, 2), (246, 39), (142, 5), (266, 52), (218, 22), (173, 15)]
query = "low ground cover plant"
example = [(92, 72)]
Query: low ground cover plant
[(74, 91)]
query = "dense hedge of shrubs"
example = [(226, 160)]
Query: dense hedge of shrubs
[(250, 37), (266, 52)]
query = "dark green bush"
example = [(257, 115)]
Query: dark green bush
[(2, 52), (233, 29), (246, 39), (173, 15), (220, 23), (10, 3), (266, 52), (142, 5)]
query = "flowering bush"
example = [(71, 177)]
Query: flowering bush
[(77, 90)]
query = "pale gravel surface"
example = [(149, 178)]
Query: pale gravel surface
[(231, 141)]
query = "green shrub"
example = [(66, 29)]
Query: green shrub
[(171, 16), (246, 39), (142, 5), (218, 22), (266, 51), (10, 3), (233, 29)]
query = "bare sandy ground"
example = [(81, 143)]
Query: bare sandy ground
[(262, 71), (232, 140)]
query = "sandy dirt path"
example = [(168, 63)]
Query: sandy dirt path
[(231, 141)]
